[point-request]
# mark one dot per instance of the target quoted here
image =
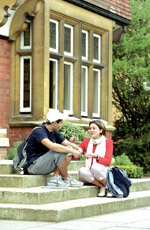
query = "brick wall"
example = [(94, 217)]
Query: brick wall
[(119, 7), (5, 63), (14, 134)]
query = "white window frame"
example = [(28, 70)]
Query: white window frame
[(99, 50), (99, 91), (69, 53), (56, 86), (22, 108), (86, 51), (57, 36), (70, 112), (86, 92), (22, 46)]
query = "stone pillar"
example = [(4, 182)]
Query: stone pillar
[(4, 144)]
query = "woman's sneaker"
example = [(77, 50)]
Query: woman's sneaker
[(109, 194), (102, 192), (71, 182), (56, 181)]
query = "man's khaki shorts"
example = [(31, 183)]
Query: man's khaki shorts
[(47, 163)]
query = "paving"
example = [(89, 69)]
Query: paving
[(137, 219)]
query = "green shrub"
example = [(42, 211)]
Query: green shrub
[(68, 130), (136, 150), (132, 171), (123, 160), (13, 151), (136, 147)]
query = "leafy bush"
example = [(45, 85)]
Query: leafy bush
[(137, 149), (13, 151), (131, 88), (123, 160), (132, 171), (68, 130)]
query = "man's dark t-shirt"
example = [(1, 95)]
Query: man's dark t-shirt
[(34, 148)]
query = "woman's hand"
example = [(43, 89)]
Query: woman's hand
[(80, 150), (89, 155)]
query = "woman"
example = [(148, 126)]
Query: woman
[(98, 152)]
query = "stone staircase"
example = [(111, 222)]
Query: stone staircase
[(22, 197)]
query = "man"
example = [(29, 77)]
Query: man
[(47, 151)]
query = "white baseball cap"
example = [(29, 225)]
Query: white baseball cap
[(54, 115)]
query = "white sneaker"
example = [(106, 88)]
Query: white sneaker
[(102, 192), (71, 182), (56, 181), (109, 194)]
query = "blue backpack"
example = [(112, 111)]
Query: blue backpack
[(118, 183)]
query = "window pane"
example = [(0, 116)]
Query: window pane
[(53, 35), (27, 36), (67, 40), (84, 89), (53, 97), (68, 90), (96, 94), (96, 48), (26, 90), (84, 44)]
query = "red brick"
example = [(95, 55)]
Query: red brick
[(120, 7)]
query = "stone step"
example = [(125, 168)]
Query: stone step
[(26, 181), (39, 195), (6, 166), (74, 209)]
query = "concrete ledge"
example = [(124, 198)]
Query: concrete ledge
[(22, 181), (39, 195), (74, 209), (6, 166)]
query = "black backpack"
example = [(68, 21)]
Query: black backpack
[(20, 161)]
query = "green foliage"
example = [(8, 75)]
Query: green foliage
[(137, 149), (123, 160), (13, 151), (68, 130), (131, 88), (132, 171)]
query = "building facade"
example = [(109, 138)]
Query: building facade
[(57, 54)]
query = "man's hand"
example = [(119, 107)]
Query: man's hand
[(76, 153)]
